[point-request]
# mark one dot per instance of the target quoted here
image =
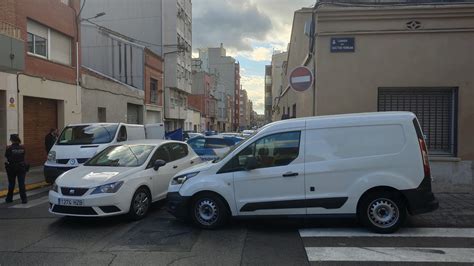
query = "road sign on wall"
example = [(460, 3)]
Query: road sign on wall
[(301, 78), (342, 44)]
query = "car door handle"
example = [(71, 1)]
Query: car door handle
[(174, 167), (192, 162), (289, 174)]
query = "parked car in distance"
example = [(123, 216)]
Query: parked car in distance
[(190, 135), (248, 132), (231, 134), (122, 179), (79, 142), (373, 166), (212, 147)]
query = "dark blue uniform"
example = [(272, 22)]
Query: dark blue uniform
[(16, 168)]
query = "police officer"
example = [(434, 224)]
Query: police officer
[(16, 168)]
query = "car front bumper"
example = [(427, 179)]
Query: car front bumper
[(178, 205), (98, 205)]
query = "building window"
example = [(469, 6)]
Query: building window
[(37, 45), (101, 115), (436, 109), (48, 43), (268, 80), (153, 91), (294, 111)]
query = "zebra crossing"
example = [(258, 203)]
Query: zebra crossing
[(408, 245)]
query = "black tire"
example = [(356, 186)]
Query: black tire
[(209, 211), (141, 203), (382, 212)]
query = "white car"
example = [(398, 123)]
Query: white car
[(123, 178), (373, 166)]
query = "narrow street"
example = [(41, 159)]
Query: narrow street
[(33, 236)]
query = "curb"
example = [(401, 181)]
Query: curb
[(28, 187)]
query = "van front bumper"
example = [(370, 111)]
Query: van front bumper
[(52, 172), (178, 205)]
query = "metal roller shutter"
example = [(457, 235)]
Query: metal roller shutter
[(436, 109)]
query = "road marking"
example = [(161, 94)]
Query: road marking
[(32, 203), (403, 232), (32, 193), (462, 255), (28, 187)]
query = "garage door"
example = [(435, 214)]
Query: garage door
[(133, 113), (39, 116)]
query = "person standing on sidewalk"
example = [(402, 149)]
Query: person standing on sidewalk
[(50, 139), (16, 168)]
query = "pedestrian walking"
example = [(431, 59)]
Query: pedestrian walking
[(50, 139), (16, 168)]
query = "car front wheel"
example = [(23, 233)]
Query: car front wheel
[(209, 211), (140, 204), (382, 212)]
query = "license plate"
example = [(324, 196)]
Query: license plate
[(70, 202)]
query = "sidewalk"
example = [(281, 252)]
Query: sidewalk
[(34, 179)]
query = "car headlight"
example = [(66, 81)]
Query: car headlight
[(182, 178), (108, 188), (55, 188), (52, 156)]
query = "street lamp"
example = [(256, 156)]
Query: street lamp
[(94, 17)]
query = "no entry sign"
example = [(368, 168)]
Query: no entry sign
[(301, 78)]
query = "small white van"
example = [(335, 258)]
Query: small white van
[(79, 142), (370, 165)]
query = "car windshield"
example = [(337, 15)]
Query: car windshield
[(122, 156), (87, 134)]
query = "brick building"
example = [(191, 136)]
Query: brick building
[(39, 86)]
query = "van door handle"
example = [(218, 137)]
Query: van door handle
[(289, 174), (174, 167)]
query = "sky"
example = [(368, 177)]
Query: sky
[(251, 30)]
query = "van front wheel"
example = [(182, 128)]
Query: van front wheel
[(208, 211), (382, 212)]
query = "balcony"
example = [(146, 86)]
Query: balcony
[(12, 48)]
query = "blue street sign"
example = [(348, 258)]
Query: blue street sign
[(342, 44)]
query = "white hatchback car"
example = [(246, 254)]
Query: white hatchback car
[(373, 166), (123, 178)]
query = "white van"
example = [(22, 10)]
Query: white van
[(79, 142), (370, 165)]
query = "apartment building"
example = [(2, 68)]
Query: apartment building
[(227, 77), (39, 78), (203, 100), (405, 57), (268, 94), (279, 61), (164, 27), (245, 110), (133, 73)]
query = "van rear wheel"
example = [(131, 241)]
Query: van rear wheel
[(382, 212), (209, 211)]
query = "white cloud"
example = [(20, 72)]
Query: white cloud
[(257, 54), (254, 85)]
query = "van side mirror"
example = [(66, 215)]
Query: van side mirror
[(251, 163), (158, 164)]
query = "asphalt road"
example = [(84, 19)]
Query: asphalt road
[(31, 236)]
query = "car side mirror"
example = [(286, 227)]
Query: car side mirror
[(251, 163), (158, 164)]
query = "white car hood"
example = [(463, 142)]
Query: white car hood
[(93, 176)]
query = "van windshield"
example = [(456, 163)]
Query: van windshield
[(87, 134)]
